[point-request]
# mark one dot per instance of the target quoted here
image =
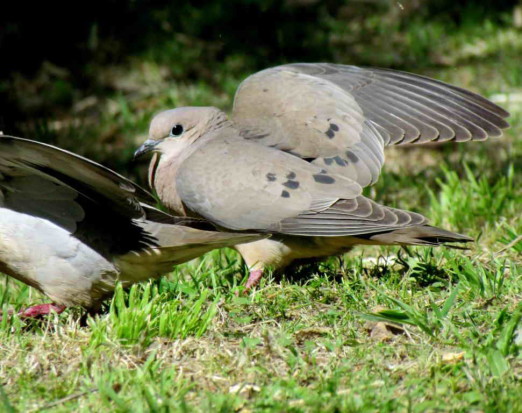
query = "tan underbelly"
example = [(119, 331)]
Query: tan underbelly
[(279, 253)]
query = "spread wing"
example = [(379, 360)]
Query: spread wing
[(47, 174), (96, 205), (343, 116)]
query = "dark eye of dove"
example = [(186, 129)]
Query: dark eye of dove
[(177, 130)]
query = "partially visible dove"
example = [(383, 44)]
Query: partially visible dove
[(72, 228), (302, 143)]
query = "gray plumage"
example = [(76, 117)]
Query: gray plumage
[(302, 142), (73, 228)]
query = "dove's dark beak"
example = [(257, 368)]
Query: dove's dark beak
[(148, 146)]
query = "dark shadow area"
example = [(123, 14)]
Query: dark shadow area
[(55, 52)]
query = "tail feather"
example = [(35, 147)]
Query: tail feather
[(418, 235)]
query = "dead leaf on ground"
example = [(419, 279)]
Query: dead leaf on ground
[(244, 389), (310, 333), (452, 357), (382, 331)]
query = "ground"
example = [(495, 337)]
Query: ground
[(383, 329)]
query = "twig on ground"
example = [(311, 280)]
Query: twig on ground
[(511, 244), (64, 400)]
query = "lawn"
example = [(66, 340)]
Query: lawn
[(382, 329)]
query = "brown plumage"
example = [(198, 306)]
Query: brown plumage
[(302, 142)]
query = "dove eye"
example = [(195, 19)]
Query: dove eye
[(176, 130)]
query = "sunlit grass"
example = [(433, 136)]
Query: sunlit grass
[(382, 330)]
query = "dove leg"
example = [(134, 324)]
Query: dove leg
[(253, 279), (259, 255), (41, 310)]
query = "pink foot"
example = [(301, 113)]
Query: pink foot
[(41, 310), (253, 279)]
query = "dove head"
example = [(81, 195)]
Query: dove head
[(173, 130)]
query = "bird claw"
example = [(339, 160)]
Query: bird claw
[(41, 310), (253, 279)]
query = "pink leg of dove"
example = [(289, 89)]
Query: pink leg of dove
[(41, 310), (253, 279)]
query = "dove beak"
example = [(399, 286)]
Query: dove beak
[(148, 146)]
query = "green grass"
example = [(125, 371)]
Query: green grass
[(383, 329)]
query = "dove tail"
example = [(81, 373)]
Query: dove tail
[(418, 235)]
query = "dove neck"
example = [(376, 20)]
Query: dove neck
[(162, 177), (163, 172), (218, 121)]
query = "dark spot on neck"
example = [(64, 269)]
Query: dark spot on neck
[(291, 175), (270, 177)]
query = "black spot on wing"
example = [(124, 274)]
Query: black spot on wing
[(352, 157), (331, 130), (270, 177), (291, 184), (340, 161), (324, 179), (337, 159), (285, 194)]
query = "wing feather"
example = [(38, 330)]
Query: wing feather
[(323, 113), (342, 219)]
